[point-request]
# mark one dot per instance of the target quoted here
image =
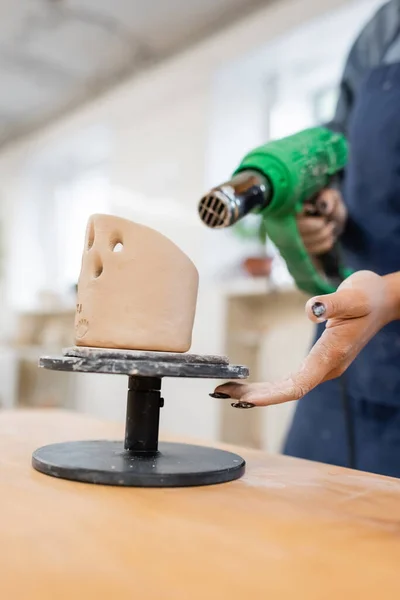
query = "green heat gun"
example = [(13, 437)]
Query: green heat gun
[(275, 180)]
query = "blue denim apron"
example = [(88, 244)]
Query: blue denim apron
[(371, 241)]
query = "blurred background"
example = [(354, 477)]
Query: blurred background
[(136, 108)]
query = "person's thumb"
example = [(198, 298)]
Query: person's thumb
[(343, 304)]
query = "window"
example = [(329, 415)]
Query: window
[(74, 201), (324, 104), (60, 187)]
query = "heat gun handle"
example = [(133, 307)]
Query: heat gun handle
[(331, 261)]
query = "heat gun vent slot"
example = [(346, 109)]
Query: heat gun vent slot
[(213, 211)]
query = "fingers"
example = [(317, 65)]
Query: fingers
[(233, 390), (318, 241), (315, 368), (331, 206), (332, 353), (327, 202), (262, 394), (346, 303), (353, 315), (329, 357), (319, 233), (311, 228), (310, 225)]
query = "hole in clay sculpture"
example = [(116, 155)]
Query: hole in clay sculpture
[(98, 271), (117, 247), (90, 240)]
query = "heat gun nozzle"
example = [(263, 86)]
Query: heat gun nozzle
[(226, 204), (217, 210)]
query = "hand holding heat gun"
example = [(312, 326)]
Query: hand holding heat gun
[(276, 180), (322, 222)]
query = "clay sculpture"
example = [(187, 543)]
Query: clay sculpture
[(137, 290)]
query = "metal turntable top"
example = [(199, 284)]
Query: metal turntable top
[(145, 364)]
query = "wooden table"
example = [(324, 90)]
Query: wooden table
[(288, 529)]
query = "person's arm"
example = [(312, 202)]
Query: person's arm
[(362, 305), (376, 44), (365, 302)]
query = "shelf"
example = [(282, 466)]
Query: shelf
[(247, 286)]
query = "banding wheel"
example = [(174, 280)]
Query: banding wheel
[(140, 460)]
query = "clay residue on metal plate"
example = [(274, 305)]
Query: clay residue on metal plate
[(120, 354), (146, 368)]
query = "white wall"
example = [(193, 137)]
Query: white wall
[(160, 126)]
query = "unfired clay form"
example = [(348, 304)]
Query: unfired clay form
[(137, 290)]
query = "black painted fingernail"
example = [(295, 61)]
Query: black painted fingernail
[(318, 309), (243, 405), (219, 395)]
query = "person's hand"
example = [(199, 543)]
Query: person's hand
[(361, 306), (320, 233)]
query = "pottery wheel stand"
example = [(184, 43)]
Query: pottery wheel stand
[(140, 460)]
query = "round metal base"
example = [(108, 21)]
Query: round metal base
[(108, 463)]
